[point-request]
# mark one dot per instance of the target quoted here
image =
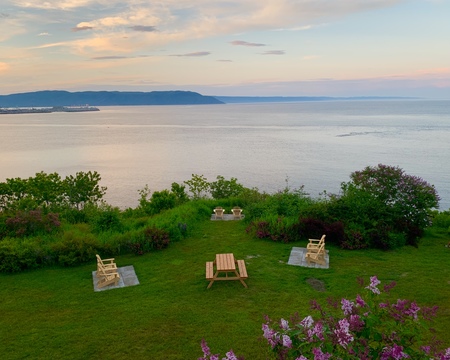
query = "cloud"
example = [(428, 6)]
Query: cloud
[(82, 28), (274, 52), (3, 67), (143, 28), (44, 34), (194, 54), (52, 4), (245, 43), (109, 57), (224, 60)]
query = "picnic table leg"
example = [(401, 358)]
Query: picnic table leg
[(214, 278)]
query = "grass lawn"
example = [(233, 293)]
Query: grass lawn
[(55, 314)]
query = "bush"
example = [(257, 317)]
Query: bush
[(107, 218), (32, 222), (75, 248), (151, 238), (278, 229), (18, 255)]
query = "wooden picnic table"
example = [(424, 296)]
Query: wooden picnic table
[(225, 264)]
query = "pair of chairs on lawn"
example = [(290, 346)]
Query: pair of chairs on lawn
[(315, 251), (220, 212)]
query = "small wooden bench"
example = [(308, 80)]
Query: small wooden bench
[(242, 269), (209, 270)]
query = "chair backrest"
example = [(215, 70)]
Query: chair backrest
[(236, 211)]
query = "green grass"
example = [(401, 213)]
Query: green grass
[(55, 314)]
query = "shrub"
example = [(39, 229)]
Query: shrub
[(279, 229), (151, 238), (18, 255), (75, 248), (32, 222), (107, 218), (371, 326)]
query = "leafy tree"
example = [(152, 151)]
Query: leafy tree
[(180, 193), (83, 188), (222, 189), (46, 189), (198, 186)]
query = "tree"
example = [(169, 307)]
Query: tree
[(222, 189), (198, 186), (83, 188)]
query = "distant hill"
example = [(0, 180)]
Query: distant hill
[(104, 98)]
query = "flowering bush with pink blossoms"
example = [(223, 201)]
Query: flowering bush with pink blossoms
[(368, 327), (371, 326)]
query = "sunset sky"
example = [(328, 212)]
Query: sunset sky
[(229, 47)]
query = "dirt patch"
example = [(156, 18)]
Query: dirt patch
[(316, 284)]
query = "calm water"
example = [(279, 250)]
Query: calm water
[(315, 144)]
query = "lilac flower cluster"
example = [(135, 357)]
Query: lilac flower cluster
[(208, 356), (362, 329), (367, 328)]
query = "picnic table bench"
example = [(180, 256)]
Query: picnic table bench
[(225, 264)]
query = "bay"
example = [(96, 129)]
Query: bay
[(264, 145)]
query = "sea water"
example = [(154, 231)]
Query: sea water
[(266, 145)]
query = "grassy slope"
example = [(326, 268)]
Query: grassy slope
[(54, 313)]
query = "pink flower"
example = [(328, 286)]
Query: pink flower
[(374, 282), (347, 306), (342, 333), (395, 352), (319, 355), (284, 324), (287, 342), (307, 322), (359, 301)]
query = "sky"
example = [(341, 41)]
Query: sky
[(229, 47)]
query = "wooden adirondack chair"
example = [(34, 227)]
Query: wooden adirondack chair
[(316, 256), (108, 265), (218, 211), (314, 244), (107, 278), (237, 213)]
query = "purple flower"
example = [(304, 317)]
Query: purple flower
[(230, 356), (284, 324), (287, 342), (356, 323), (359, 301), (317, 330), (374, 282), (271, 335), (319, 355), (205, 348), (342, 333), (394, 352), (347, 306), (301, 357), (307, 322)]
